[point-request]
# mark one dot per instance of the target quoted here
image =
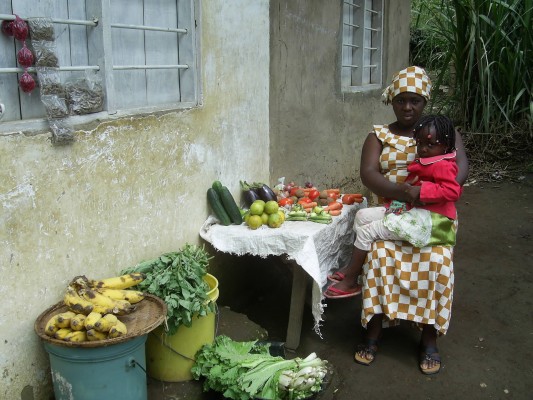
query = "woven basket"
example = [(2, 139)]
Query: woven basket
[(148, 315)]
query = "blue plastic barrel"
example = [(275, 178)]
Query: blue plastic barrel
[(115, 372)]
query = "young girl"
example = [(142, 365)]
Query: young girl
[(430, 221)]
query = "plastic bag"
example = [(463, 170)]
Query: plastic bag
[(25, 57), (45, 53), (41, 29), (26, 82), (55, 106), (7, 28), (20, 28), (85, 95), (62, 133), (50, 82)]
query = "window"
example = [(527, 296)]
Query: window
[(144, 52), (362, 43)]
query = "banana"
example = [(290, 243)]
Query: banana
[(91, 320), (51, 326), (105, 323), (106, 305), (76, 336), (75, 303), (63, 319), (62, 333), (119, 282), (133, 296), (117, 330), (77, 323), (93, 335)]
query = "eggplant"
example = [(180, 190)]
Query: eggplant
[(249, 193), (250, 196), (266, 193)]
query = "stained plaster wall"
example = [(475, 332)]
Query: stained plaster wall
[(128, 189), (317, 131)]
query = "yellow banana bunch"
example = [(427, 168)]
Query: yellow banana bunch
[(104, 304), (62, 333), (133, 296), (77, 323), (63, 319), (51, 326), (105, 323), (91, 319), (76, 336), (119, 282), (117, 330), (75, 303), (93, 335)]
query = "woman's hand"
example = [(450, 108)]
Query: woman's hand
[(412, 193)]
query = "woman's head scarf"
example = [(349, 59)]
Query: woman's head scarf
[(411, 79)]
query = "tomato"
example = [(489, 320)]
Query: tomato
[(293, 191), (333, 195), (285, 201), (348, 199), (313, 194)]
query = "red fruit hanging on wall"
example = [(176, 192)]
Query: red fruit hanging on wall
[(26, 82), (25, 57), (7, 28), (20, 28)]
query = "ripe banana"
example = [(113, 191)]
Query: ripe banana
[(104, 304), (105, 323), (117, 330), (119, 282), (76, 336), (63, 319), (133, 296), (91, 320), (93, 335), (75, 303), (62, 333), (51, 326), (77, 323)]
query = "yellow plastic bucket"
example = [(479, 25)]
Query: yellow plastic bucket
[(169, 358)]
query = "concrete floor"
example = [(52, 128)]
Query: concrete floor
[(487, 352)]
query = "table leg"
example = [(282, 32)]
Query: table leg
[(299, 285)]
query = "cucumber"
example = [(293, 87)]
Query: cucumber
[(217, 207), (228, 202)]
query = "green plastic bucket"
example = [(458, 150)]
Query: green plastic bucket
[(170, 358), (112, 372)]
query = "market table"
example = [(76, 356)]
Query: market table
[(314, 249)]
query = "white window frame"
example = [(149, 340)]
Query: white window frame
[(100, 44), (362, 45)]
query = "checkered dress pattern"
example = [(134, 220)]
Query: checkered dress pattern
[(411, 79), (398, 152), (401, 281)]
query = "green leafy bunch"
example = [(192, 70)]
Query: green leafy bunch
[(178, 279), (246, 370)]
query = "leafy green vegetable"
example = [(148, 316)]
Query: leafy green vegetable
[(246, 370), (177, 278)]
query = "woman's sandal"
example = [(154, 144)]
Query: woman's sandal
[(369, 348), (336, 277), (427, 355)]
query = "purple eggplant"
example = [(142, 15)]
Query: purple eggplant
[(266, 193), (249, 194)]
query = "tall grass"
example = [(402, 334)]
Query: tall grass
[(480, 53)]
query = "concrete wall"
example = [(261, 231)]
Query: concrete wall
[(316, 132), (126, 190)]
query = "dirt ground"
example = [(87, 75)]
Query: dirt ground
[(488, 350)]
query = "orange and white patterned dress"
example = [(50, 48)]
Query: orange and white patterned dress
[(401, 281)]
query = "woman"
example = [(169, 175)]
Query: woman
[(401, 281)]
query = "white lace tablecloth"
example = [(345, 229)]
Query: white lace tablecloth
[(317, 248)]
